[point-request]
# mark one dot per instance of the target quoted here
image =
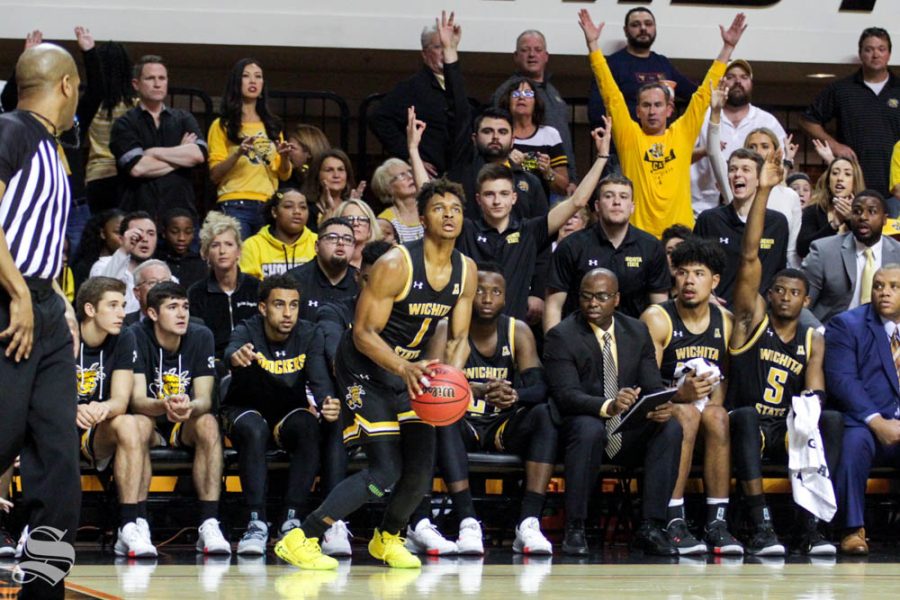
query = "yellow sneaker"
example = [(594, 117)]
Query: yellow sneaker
[(298, 550), (390, 549)]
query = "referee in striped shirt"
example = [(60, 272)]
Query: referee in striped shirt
[(38, 405)]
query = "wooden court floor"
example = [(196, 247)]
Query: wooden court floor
[(501, 575)]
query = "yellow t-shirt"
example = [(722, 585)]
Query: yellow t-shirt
[(254, 176), (658, 166)]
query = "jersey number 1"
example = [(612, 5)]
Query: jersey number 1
[(421, 333)]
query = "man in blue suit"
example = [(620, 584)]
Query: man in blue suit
[(861, 373)]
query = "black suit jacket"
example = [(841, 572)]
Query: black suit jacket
[(574, 363)]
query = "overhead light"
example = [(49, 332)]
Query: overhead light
[(820, 75)]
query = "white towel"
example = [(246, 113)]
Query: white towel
[(698, 366), (810, 479)]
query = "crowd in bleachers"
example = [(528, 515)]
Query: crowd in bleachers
[(198, 326)]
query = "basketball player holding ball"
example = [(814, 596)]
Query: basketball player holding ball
[(380, 364)]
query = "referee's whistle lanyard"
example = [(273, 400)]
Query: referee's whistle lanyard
[(99, 374)]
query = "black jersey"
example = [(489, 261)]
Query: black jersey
[(94, 367), (170, 373), (419, 308), (500, 365), (682, 345), (767, 373)]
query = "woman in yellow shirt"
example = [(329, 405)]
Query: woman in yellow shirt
[(247, 152), (285, 242)]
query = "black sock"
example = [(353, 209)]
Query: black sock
[(423, 511), (675, 512), (532, 505), (209, 509), (313, 525), (128, 513), (142, 509), (463, 505), (716, 512), (759, 512)]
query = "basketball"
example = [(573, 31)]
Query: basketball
[(445, 401)]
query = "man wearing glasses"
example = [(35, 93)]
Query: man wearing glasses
[(146, 276), (602, 361), (330, 277)]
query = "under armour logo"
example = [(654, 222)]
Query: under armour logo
[(482, 239), (723, 240), (677, 334), (280, 353), (313, 303), (769, 333), (593, 262), (418, 285), (363, 376)]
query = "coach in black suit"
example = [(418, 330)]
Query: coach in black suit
[(600, 363)]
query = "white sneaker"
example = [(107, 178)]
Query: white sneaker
[(212, 569), (470, 539), (210, 539), (131, 543), (530, 540), (20, 545), (144, 528), (254, 539), (336, 540), (426, 539)]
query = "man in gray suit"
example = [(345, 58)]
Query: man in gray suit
[(840, 268), (531, 59)]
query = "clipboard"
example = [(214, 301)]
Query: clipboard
[(637, 414)]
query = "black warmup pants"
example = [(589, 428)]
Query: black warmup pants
[(655, 446), (37, 422)]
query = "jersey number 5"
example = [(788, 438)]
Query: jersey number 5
[(775, 381)]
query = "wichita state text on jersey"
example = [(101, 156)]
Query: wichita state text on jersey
[(767, 372), (501, 365), (419, 307), (682, 345)]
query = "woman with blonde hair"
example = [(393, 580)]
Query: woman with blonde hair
[(365, 226), (395, 186), (830, 205), (308, 143), (227, 296)]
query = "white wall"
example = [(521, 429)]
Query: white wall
[(790, 30)]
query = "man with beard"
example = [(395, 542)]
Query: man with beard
[(655, 155), (330, 277), (138, 231), (840, 267), (635, 64), (726, 224), (774, 358), (491, 141), (740, 118), (692, 326)]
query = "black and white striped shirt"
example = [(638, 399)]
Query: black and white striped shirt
[(35, 207)]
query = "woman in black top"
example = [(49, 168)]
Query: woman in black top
[(829, 207)]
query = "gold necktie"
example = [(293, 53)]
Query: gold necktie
[(868, 272)]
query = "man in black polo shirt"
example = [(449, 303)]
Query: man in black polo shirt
[(866, 106), (726, 225), (330, 277), (498, 235), (156, 146), (636, 257), (491, 142)]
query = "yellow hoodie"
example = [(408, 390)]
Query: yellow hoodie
[(264, 255)]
